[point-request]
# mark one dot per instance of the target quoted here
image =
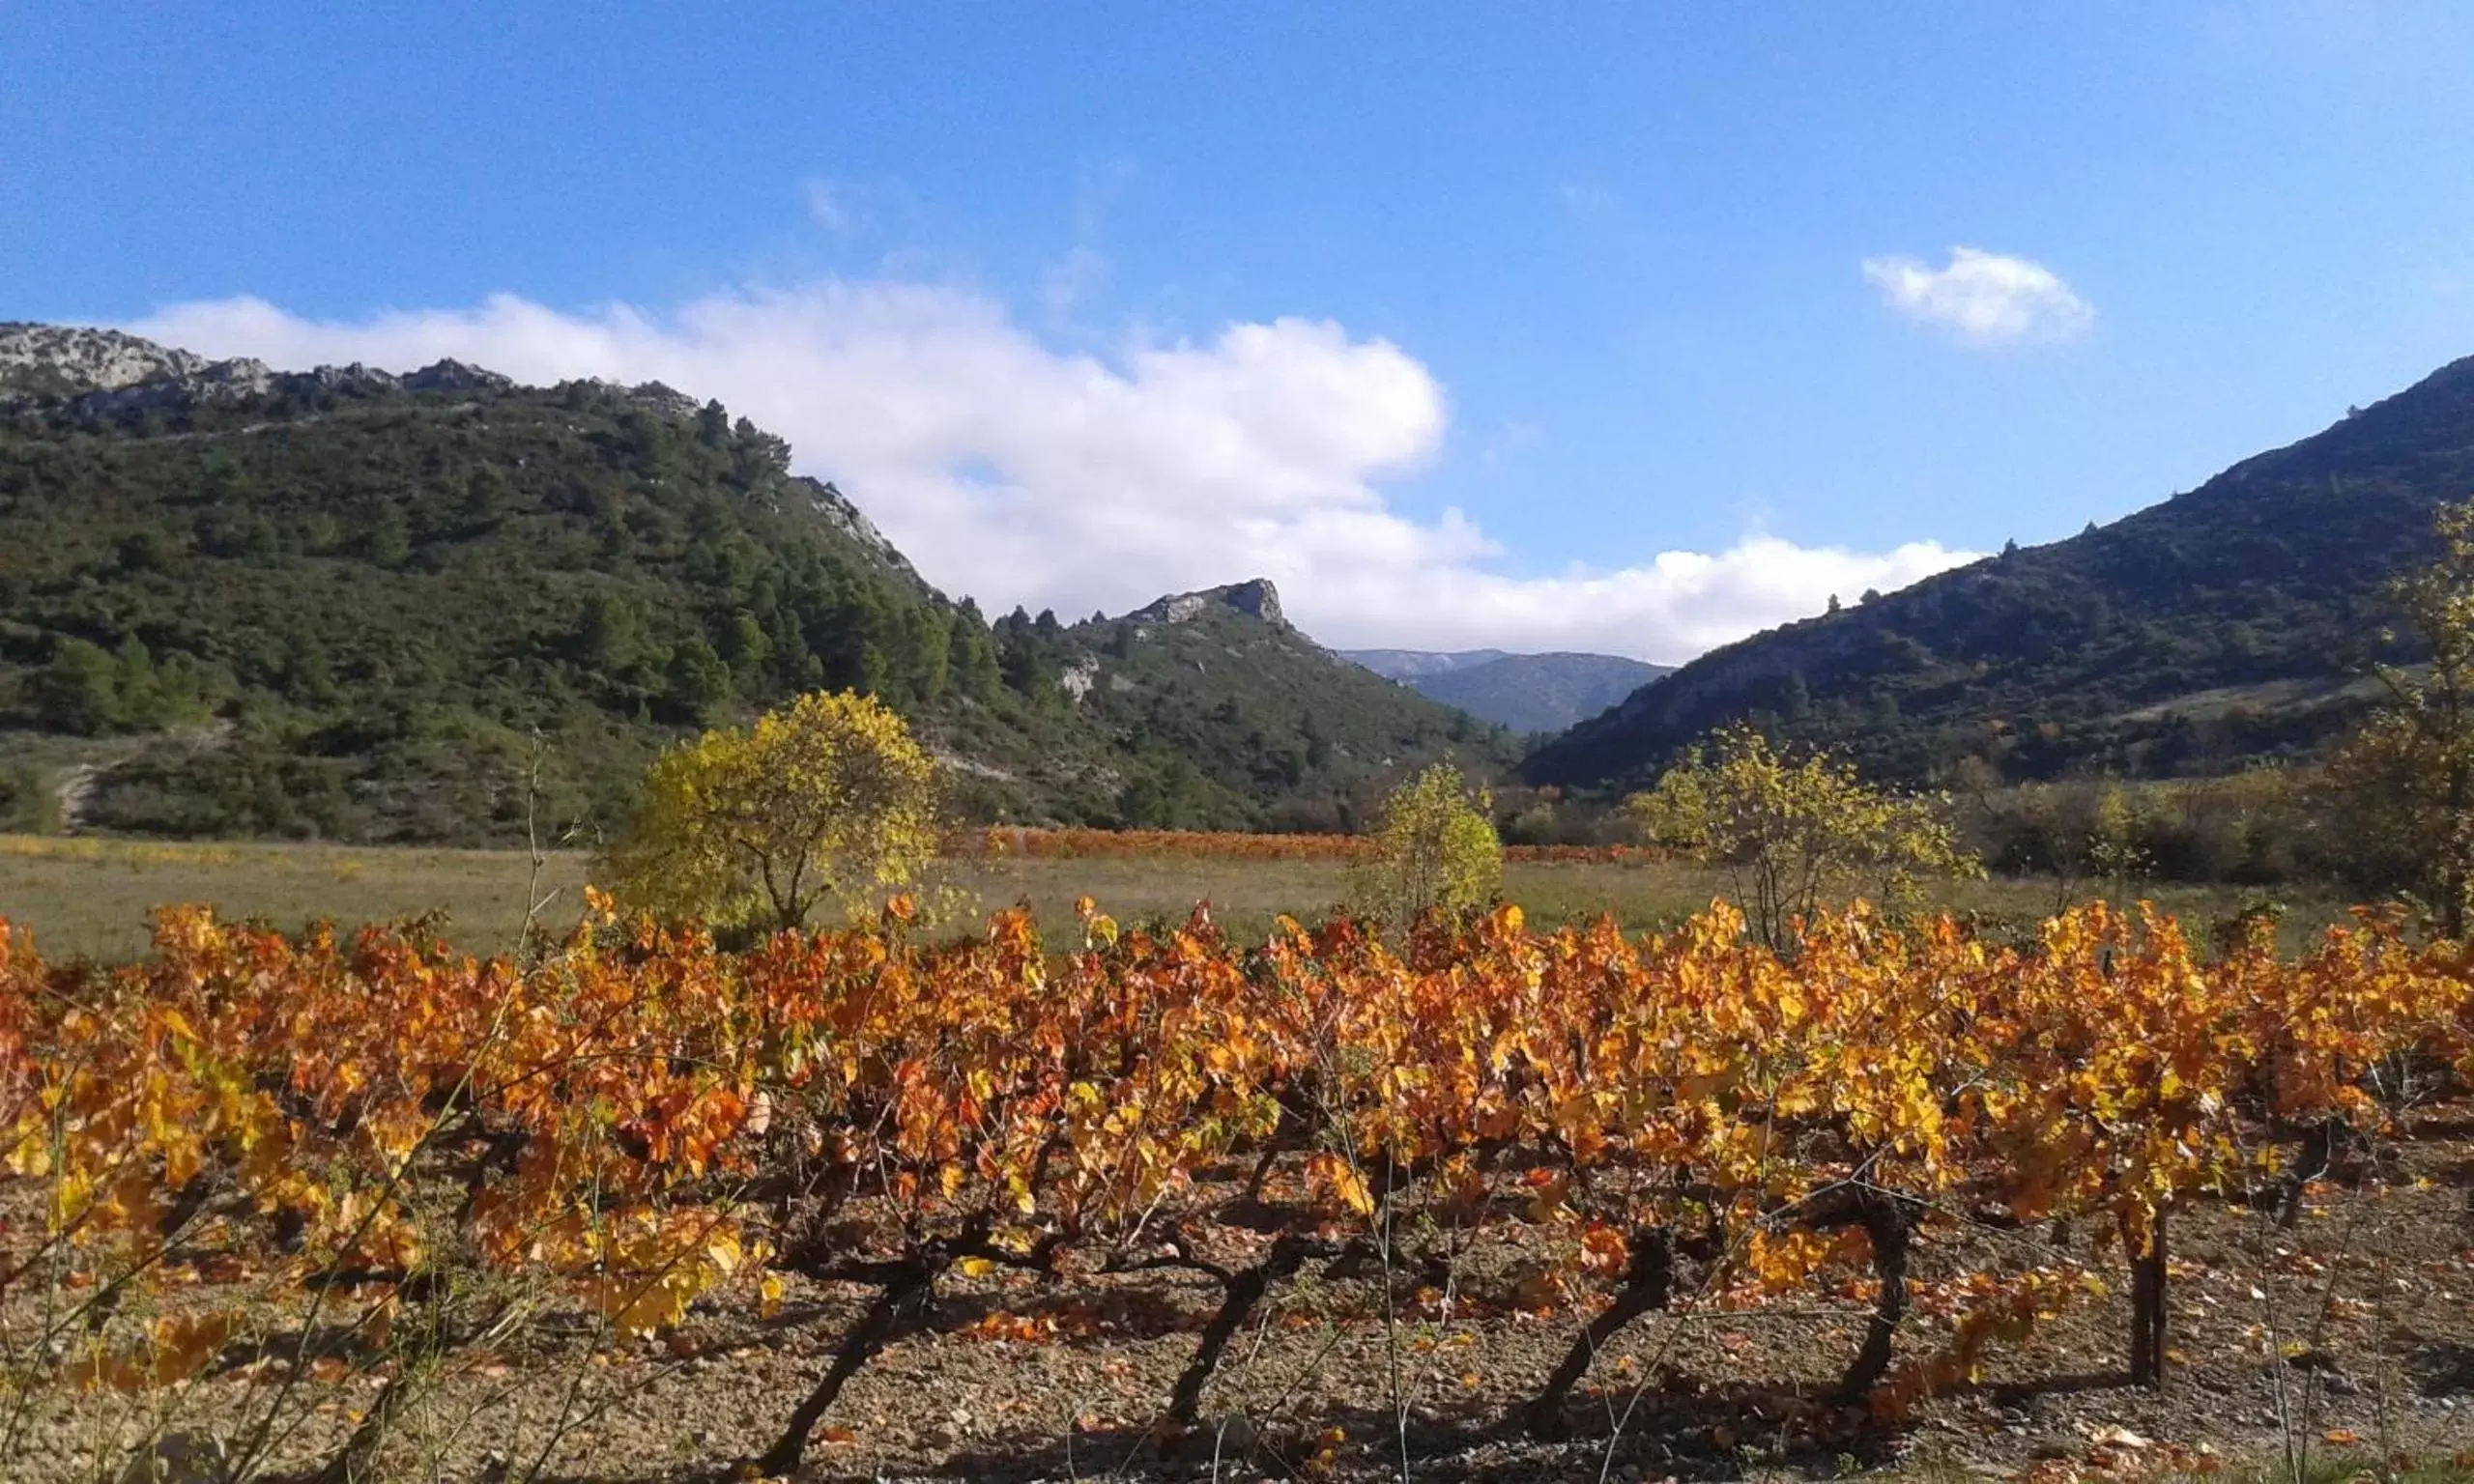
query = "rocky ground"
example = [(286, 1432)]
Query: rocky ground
[(2350, 1331)]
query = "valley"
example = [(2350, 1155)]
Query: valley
[(328, 700), (1272, 744)]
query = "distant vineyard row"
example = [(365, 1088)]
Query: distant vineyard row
[(383, 1135), (1025, 844)]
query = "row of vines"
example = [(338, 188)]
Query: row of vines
[(1025, 843), (348, 1129)]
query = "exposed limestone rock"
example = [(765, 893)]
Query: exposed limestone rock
[(64, 359), (838, 511), (1078, 679), (970, 765), (106, 372), (666, 399), (1256, 597)]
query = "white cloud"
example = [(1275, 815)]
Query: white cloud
[(1018, 473), (1984, 298)]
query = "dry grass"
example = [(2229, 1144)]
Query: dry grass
[(93, 897)]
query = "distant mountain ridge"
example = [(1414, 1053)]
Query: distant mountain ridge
[(106, 372), (1528, 693), (2221, 627), (359, 605), (1412, 664)]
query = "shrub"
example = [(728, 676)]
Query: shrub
[(827, 799), (1434, 851), (1795, 831)]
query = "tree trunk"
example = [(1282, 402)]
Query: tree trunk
[(2147, 1308), (1648, 1283), (1263, 1173), (2460, 844), (2319, 1152), (1244, 1290), (899, 1302), (1886, 1226)]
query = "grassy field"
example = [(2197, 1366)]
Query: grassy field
[(93, 897)]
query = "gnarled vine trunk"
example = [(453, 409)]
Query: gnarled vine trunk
[(901, 1298), (1649, 1285), (2147, 1307), (1241, 1292), (1887, 1224)]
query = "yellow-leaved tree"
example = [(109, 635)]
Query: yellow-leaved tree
[(1793, 832), (1433, 851), (829, 799), (2405, 781)]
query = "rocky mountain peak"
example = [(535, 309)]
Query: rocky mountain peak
[(110, 368), (68, 359), (1256, 597), (456, 375), (104, 371)]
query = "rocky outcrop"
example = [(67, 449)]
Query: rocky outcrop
[(837, 511), (456, 375), (666, 399), (100, 373), (1079, 676), (1256, 597), (66, 359)]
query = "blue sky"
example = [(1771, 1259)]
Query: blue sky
[(1603, 326)]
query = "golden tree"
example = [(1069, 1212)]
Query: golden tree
[(2407, 776), (1434, 850), (828, 799), (1793, 832)]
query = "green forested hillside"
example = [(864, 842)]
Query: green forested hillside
[(359, 607), (347, 607), (2227, 624), (1220, 701)]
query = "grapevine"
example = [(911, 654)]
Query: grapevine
[(642, 1120)]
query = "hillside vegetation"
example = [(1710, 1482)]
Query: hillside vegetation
[(1540, 692), (2226, 625), (355, 606), (1223, 702)]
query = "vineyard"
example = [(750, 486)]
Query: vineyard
[(323, 1204), (1021, 843)]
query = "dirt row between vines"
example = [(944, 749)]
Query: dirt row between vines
[(2352, 1330)]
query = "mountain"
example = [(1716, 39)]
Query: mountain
[(1217, 703), (1528, 693), (2225, 625), (1414, 664), (68, 360), (359, 605)]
